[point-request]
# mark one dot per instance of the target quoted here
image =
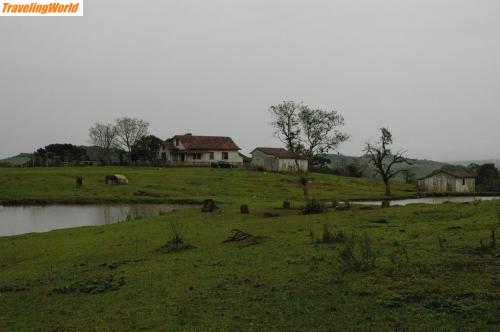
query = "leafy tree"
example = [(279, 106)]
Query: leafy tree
[(354, 170), (66, 151), (487, 176), (148, 148), (384, 160), (321, 161), (63, 152), (103, 136), (320, 131), (307, 133), (129, 131)]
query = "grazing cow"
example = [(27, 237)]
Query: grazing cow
[(79, 180), (111, 179), (116, 179)]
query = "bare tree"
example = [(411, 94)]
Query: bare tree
[(306, 133), (382, 158), (129, 132), (103, 136)]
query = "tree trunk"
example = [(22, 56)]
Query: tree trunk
[(387, 188), (304, 180)]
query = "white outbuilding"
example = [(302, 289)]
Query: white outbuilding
[(277, 160)]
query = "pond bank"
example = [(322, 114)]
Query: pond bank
[(94, 201)]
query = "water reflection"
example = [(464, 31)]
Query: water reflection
[(16, 220)]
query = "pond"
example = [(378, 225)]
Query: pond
[(430, 200), (16, 220)]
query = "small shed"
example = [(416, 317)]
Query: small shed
[(277, 160), (458, 181)]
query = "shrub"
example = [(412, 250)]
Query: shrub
[(353, 259), (177, 241), (338, 236), (209, 206), (441, 243), (244, 209), (314, 207)]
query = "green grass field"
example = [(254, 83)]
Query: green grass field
[(57, 185), (424, 267)]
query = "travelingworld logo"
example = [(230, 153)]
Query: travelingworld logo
[(41, 8)]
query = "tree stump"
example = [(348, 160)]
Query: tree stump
[(209, 206), (335, 202), (244, 209), (343, 207)]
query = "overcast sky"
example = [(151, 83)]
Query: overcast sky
[(427, 69)]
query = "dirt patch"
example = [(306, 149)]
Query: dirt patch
[(96, 285)]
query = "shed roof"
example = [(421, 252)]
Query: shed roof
[(276, 152)]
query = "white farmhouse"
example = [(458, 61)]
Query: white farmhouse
[(277, 160), (190, 150)]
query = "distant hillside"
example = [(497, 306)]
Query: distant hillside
[(17, 160), (421, 167)]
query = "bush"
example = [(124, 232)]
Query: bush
[(338, 236), (353, 259), (177, 241), (209, 206), (314, 207), (244, 209)]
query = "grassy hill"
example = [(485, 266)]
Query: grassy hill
[(414, 268), (50, 185), (16, 160)]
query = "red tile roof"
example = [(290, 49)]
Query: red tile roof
[(276, 152), (191, 142)]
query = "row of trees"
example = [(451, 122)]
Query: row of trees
[(126, 134), (126, 139), (309, 133), (64, 152)]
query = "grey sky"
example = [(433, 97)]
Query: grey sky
[(427, 69)]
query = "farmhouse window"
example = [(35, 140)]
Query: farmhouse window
[(463, 182), (196, 156), (225, 155), (212, 156)]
